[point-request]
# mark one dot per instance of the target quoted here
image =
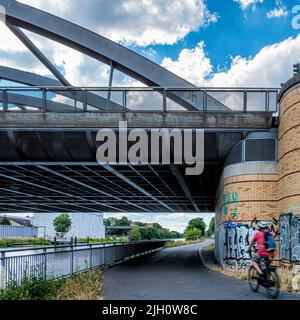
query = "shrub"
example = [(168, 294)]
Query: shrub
[(35, 288), (135, 235), (192, 234)]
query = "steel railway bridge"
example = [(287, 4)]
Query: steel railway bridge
[(48, 128)]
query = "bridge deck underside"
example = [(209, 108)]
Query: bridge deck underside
[(88, 188)]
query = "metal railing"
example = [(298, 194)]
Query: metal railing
[(129, 99), (54, 262)]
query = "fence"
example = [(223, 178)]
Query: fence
[(74, 99), (18, 232), (60, 261)]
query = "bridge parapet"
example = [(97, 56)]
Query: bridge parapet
[(129, 99)]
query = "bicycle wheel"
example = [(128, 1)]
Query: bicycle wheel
[(274, 289), (253, 279)]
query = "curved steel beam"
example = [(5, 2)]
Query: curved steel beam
[(104, 50), (29, 101), (33, 79)]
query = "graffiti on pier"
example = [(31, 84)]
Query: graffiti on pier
[(230, 205), (290, 237), (237, 265), (232, 241)]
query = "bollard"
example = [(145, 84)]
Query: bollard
[(91, 256), (45, 263), (72, 260), (104, 255), (2, 271)]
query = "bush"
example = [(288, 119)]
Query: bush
[(84, 286), (35, 288), (197, 223), (135, 235), (192, 234)]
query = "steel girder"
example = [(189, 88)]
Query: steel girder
[(106, 51), (28, 101), (33, 79)]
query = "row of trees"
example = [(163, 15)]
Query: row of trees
[(196, 229), (152, 231)]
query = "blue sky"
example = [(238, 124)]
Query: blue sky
[(236, 32), (208, 42)]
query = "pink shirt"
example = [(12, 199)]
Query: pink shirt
[(259, 237)]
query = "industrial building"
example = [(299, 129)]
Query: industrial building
[(84, 225)]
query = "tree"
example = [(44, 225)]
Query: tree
[(211, 228), (191, 234), (123, 222), (197, 223), (135, 235), (5, 222), (62, 224)]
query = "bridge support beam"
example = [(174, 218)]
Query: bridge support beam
[(289, 174), (247, 194), (264, 191)]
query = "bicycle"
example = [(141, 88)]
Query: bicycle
[(272, 283)]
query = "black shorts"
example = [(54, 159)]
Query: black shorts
[(257, 258)]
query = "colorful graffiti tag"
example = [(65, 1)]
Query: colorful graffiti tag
[(232, 241), (230, 214), (289, 237)]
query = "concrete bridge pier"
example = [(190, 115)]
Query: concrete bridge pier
[(289, 175), (261, 180)]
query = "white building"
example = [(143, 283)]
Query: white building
[(88, 224)]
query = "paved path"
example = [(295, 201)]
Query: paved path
[(175, 273)]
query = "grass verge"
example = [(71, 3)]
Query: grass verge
[(172, 243), (84, 286), (102, 240), (6, 243)]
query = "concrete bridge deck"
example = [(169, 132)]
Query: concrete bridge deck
[(138, 119)]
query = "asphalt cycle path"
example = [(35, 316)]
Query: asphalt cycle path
[(176, 274)]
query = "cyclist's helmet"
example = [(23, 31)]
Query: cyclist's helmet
[(263, 225)]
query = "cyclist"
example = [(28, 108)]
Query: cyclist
[(262, 252)]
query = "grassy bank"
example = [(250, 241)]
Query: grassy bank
[(207, 255), (84, 286), (7, 243), (102, 240), (172, 243)]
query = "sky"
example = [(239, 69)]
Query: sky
[(250, 43)]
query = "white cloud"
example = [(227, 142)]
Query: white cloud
[(134, 22), (244, 4), (192, 64), (269, 67), (277, 13)]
